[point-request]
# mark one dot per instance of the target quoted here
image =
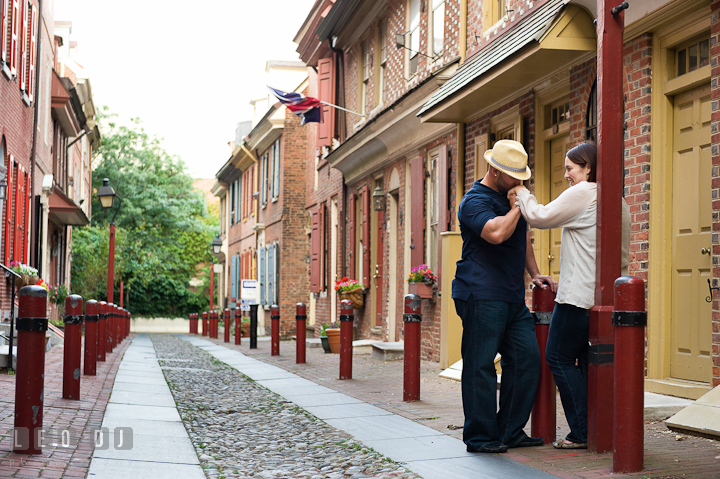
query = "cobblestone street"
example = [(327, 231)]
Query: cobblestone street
[(240, 429)]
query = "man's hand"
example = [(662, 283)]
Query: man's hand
[(512, 194), (540, 280)]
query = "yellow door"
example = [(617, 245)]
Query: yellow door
[(558, 184), (691, 327)]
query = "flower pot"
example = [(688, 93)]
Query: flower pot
[(421, 289), (357, 297), (325, 344), (245, 330), (333, 337)]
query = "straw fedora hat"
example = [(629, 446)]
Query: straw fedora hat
[(510, 157)]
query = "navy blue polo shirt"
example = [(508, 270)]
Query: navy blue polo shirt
[(489, 272)]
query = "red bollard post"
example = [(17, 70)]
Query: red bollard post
[(630, 320), (228, 324), (115, 321), (275, 330), (102, 330), (91, 333), (215, 324), (72, 349), (238, 326), (411, 367), (205, 323), (193, 323), (30, 373), (346, 333), (109, 329), (119, 337), (300, 320), (545, 405)]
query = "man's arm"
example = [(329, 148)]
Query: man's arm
[(500, 228), (531, 266)]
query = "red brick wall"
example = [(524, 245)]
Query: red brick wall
[(715, 74)]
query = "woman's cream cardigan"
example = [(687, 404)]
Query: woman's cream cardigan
[(575, 211)]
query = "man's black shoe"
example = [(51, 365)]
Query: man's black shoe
[(530, 442), (494, 447)]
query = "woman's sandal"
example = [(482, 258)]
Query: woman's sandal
[(562, 444)]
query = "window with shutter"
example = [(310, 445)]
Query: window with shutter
[(276, 171), (315, 251), (19, 213), (271, 274), (9, 222), (323, 247), (238, 196), (23, 40), (417, 200), (443, 189), (365, 212), (26, 234), (262, 278), (5, 20), (32, 53), (232, 203), (14, 34), (263, 179), (351, 235), (326, 93)]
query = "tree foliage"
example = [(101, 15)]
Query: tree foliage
[(163, 228)]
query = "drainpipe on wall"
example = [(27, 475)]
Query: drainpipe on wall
[(36, 100)]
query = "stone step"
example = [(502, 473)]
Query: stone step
[(4, 350), (388, 351)]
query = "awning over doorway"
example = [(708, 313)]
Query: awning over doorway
[(549, 38), (64, 211)]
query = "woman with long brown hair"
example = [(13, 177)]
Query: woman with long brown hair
[(575, 211)]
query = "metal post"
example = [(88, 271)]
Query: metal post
[(91, 333), (32, 323), (346, 332), (610, 26), (411, 357), (274, 330), (630, 320), (205, 323), (238, 326), (111, 263), (545, 405), (72, 347), (253, 326), (228, 325), (102, 330), (300, 320), (109, 327)]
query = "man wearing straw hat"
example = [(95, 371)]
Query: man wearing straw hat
[(489, 295)]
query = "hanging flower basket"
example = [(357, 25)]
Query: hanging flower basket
[(357, 297), (25, 280)]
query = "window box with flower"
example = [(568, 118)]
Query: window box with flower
[(421, 281), (28, 274), (353, 290)]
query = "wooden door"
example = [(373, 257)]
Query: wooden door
[(691, 328), (378, 276), (558, 184)]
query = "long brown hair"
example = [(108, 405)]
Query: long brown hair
[(585, 154)]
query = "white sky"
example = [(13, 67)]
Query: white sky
[(187, 69)]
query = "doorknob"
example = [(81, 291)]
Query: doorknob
[(706, 251), (377, 272), (551, 257)]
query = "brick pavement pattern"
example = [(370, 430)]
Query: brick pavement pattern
[(668, 455), (82, 416)]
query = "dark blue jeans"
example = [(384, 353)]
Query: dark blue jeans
[(491, 327), (568, 344)]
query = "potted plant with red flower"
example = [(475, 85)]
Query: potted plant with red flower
[(421, 280)]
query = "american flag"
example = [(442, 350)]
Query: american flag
[(307, 108)]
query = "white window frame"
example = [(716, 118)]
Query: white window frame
[(437, 10), (413, 36), (276, 171), (432, 207)]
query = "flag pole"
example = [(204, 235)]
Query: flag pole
[(341, 108)]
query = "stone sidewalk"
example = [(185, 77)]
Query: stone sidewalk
[(79, 417), (379, 383)]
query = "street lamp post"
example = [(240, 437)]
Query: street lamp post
[(106, 195), (216, 245)]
